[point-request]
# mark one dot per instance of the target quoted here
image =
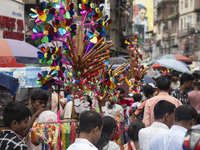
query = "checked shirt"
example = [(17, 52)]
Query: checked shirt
[(9, 140)]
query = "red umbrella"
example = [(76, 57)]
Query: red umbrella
[(157, 66), (16, 53), (176, 57)]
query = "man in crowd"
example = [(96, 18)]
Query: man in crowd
[(123, 102), (164, 119), (194, 98), (185, 84), (15, 119), (176, 82), (163, 85), (169, 77), (185, 118), (90, 131), (39, 100)]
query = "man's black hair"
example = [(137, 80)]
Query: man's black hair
[(148, 91), (169, 77), (15, 111), (134, 128), (162, 108), (39, 95), (163, 83), (185, 113), (143, 7), (196, 75), (137, 97), (121, 90), (90, 120), (109, 124), (186, 77), (175, 74)]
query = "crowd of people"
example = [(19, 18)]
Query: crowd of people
[(161, 117)]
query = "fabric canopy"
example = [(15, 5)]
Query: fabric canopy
[(16, 53)]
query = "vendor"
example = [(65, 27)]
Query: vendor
[(39, 101)]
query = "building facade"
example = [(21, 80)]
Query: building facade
[(166, 19), (12, 19), (189, 28)]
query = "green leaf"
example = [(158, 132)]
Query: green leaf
[(67, 52), (80, 6), (49, 5), (49, 62), (99, 29), (45, 39), (67, 15), (43, 61), (38, 41), (39, 83)]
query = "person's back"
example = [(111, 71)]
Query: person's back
[(15, 118), (194, 96), (185, 117), (164, 88), (90, 131), (164, 118)]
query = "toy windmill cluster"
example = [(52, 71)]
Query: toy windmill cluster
[(137, 71), (83, 49)]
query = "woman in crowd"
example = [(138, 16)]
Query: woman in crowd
[(105, 143), (133, 130)]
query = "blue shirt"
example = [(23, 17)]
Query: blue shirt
[(168, 140)]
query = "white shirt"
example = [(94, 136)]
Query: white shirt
[(82, 144), (176, 85), (111, 146), (146, 134), (168, 140)]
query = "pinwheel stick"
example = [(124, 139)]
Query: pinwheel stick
[(110, 66), (97, 44)]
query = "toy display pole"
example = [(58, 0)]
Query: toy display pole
[(58, 97), (132, 64), (74, 114)]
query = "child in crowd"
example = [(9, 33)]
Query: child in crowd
[(15, 118), (137, 103), (137, 98)]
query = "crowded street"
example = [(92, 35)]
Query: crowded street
[(99, 75)]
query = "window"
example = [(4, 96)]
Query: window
[(185, 25), (198, 16), (172, 10), (191, 3), (181, 5), (159, 28), (186, 3), (189, 21), (174, 26), (181, 23), (165, 26)]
